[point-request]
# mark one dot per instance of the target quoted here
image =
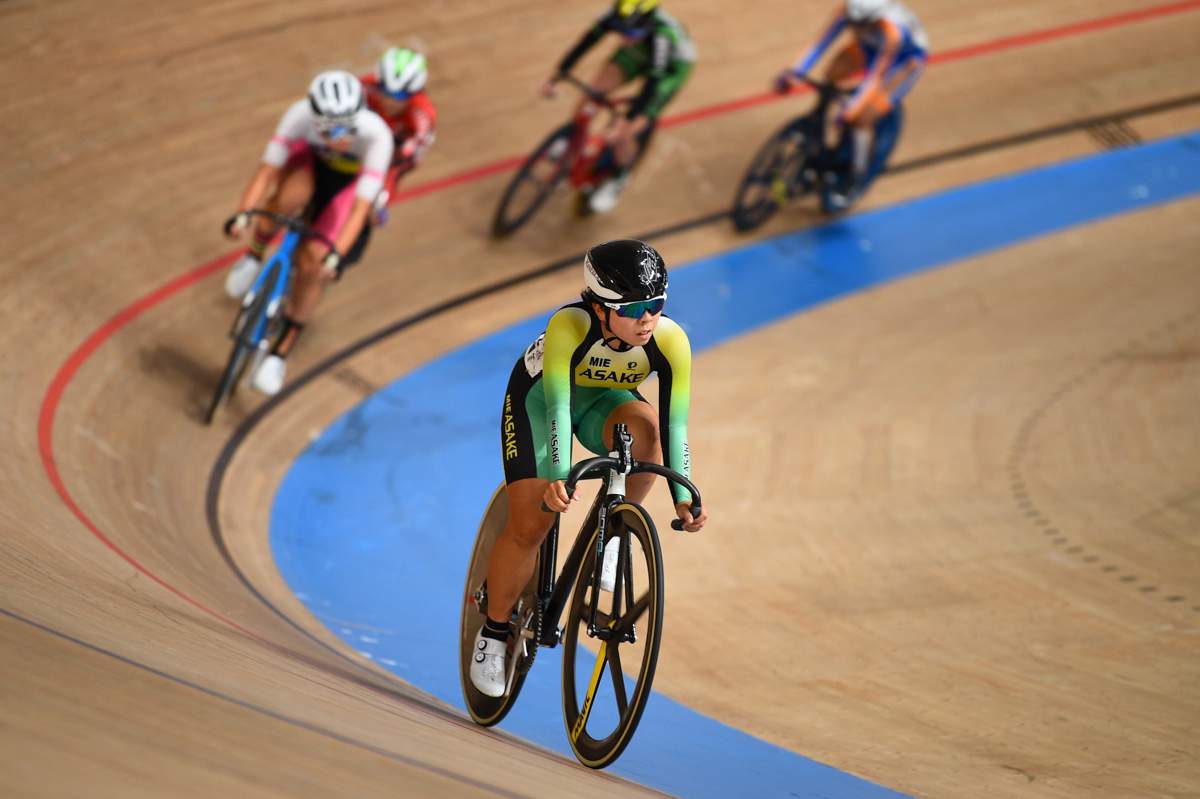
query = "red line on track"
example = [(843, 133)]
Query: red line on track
[(1065, 31), (71, 366)]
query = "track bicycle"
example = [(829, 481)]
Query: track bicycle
[(799, 159), (571, 153), (261, 315), (611, 589)]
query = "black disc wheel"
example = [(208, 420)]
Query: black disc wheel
[(534, 182), (607, 678), (246, 333), (776, 176), (489, 710)]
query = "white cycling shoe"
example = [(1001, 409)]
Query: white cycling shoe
[(268, 379), (241, 276), (487, 665), (606, 197)]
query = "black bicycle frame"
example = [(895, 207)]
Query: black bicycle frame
[(554, 594)]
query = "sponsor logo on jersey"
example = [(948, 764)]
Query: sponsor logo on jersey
[(510, 430), (612, 376), (534, 356), (597, 369), (555, 458)]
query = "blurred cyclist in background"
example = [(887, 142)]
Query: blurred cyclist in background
[(654, 46), (397, 93), (889, 45), (329, 150)]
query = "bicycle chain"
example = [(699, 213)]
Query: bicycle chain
[(536, 602)]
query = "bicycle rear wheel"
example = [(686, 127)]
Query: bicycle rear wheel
[(775, 176), (605, 693), (533, 182), (246, 330), (488, 710)]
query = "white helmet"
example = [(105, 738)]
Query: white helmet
[(401, 73), (865, 10), (335, 96)]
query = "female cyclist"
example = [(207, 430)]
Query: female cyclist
[(332, 151), (397, 93), (581, 377), (654, 46), (889, 45)]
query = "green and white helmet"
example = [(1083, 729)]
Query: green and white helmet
[(401, 73)]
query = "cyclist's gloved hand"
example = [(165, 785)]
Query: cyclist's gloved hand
[(783, 82), (332, 265), (237, 224)]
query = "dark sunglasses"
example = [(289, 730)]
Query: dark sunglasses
[(635, 310)]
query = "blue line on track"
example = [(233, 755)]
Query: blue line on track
[(373, 525)]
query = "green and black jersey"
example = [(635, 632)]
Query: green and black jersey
[(570, 380), (665, 58)]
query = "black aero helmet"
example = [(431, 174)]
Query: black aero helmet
[(623, 271)]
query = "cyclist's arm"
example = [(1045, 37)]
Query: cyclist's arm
[(674, 393), (290, 129), (565, 331), (264, 176), (376, 161), (813, 54), (411, 148), (359, 212), (660, 63), (293, 126), (586, 43), (893, 39)]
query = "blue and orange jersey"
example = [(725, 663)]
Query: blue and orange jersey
[(896, 37)]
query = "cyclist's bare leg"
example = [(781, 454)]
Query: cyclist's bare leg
[(642, 421), (514, 553), (289, 198), (608, 79), (845, 66), (625, 140), (845, 69), (307, 284)]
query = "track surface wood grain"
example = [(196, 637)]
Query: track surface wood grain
[(894, 454)]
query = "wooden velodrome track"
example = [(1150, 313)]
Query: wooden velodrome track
[(954, 536)]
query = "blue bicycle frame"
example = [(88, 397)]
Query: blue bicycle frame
[(282, 258)]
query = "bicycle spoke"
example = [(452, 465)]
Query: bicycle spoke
[(625, 622), (540, 184), (601, 716), (618, 678)]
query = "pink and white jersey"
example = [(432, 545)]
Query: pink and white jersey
[(369, 157)]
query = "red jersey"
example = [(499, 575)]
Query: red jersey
[(412, 130)]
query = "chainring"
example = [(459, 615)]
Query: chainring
[(527, 629)]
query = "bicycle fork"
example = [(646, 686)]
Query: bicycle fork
[(612, 561)]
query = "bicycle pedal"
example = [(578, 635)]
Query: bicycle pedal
[(779, 192)]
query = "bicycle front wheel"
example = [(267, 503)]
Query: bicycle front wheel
[(250, 324), (534, 181), (774, 178), (605, 691)]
